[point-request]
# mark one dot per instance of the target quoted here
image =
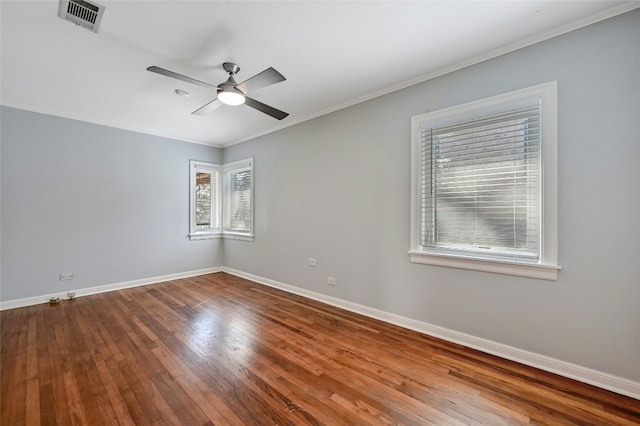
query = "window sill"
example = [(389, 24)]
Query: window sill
[(226, 236), (203, 236), (529, 270), (240, 237)]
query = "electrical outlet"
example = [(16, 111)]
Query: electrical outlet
[(331, 280), (312, 262), (66, 277)]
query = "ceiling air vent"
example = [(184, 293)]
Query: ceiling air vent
[(83, 13)]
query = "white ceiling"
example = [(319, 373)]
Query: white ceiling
[(333, 54)]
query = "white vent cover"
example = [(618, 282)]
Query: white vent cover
[(83, 13)]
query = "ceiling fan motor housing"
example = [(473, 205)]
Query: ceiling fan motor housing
[(228, 93), (231, 68)]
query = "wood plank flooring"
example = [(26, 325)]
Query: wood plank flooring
[(220, 350)]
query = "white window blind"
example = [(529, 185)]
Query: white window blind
[(481, 186), (238, 198)]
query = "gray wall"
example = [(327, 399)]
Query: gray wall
[(337, 189), (105, 204)]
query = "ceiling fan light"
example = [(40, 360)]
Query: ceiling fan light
[(231, 97)]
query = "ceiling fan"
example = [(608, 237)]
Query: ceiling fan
[(232, 93)]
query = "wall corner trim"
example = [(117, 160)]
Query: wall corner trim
[(35, 300), (597, 378)]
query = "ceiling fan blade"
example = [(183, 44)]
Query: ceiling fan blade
[(275, 113), (208, 108), (265, 78), (177, 76)]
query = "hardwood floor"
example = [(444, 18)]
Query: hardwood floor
[(217, 349)]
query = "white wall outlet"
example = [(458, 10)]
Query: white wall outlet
[(331, 280), (66, 277), (312, 262)]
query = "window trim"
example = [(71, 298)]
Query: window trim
[(547, 267), (235, 235), (194, 168)]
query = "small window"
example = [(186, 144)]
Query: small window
[(238, 200), (484, 185), (204, 200)]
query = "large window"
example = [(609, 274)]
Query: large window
[(221, 200), (484, 185)]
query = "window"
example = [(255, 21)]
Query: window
[(484, 185), (204, 200), (238, 200), (233, 185), (236, 187)]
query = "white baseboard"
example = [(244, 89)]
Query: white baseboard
[(583, 374), (36, 300)]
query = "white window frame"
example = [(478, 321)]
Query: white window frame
[(547, 267), (196, 167), (226, 170)]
